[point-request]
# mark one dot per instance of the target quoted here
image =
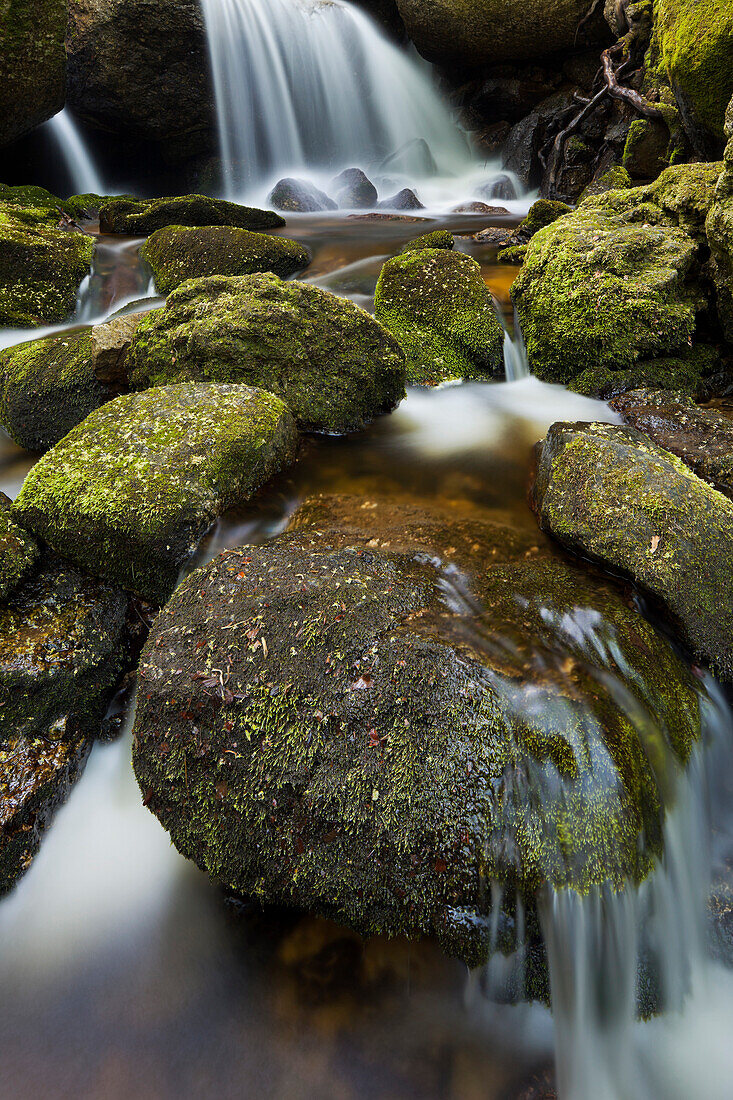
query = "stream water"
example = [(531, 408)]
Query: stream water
[(124, 972)]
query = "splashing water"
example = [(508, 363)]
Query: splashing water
[(314, 84), (85, 179)]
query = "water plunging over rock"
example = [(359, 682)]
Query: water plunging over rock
[(307, 83)]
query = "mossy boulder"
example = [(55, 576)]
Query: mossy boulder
[(328, 360), (32, 64), (18, 550), (719, 229), (178, 253), (646, 152), (615, 179), (693, 45), (610, 493), (702, 438), (129, 492), (63, 645), (473, 33), (373, 756), (437, 305), (617, 281), (49, 386), (141, 217), (41, 266), (39, 198), (439, 238), (689, 373)]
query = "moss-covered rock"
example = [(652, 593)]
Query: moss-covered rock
[(41, 199), (688, 374), (646, 152), (702, 438), (129, 492), (63, 645), (178, 253), (616, 282), (331, 363), (41, 266), (615, 179), (18, 550), (141, 217), (439, 238), (719, 229), (610, 493), (472, 33), (32, 64), (437, 305), (693, 43), (372, 755)]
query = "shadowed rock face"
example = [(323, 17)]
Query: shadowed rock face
[(138, 68), (610, 493), (376, 714), (32, 64)]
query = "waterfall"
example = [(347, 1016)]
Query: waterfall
[(314, 84), (85, 180)]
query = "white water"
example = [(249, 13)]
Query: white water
[(85, 179), (312, 87)]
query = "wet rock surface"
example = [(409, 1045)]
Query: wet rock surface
[(178, 253), (363, 749), (436, 304), (41, 266), (719, 229), (610, 493), (129, 492), (18, 549), (33, 64), (352, 189), (329, 361), (141, 217), (299, 197)]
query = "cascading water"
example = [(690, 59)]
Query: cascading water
[(85, 179), (314, 84)]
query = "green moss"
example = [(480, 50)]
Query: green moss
[(693, 44), (612, 494), (719, 230), (541, 213), (331, 363), (615, 179), (366, 756), (129, 492), (41, 266), (32, 36), (682, 375), (178, 253), (436, 304), (514, 255), (439, 238), (141, 217), (18, 550)]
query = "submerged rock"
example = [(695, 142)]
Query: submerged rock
[(390, 735), (63, 645), (141, 217), (436, 303), (328, 360), (49, 386), (299, 197), (18, 549), (719, 229), (177, 253), (617, 281), (41, 266), (129, 492), (610, 493), (32, 34), (702, 438), (353, 190)]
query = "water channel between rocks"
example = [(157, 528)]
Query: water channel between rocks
[(124, 972)]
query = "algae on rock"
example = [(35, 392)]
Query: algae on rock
[(371, 753), (129, 492), (329, 360), (178, 253), (437, 305), (141, 217)]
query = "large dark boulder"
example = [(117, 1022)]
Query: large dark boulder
[(341, 721), (139, 68), (299, 197), (32, 64), (141, 217), (610, 493), (329, 361)]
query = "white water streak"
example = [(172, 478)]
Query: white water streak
[(85, 179)]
